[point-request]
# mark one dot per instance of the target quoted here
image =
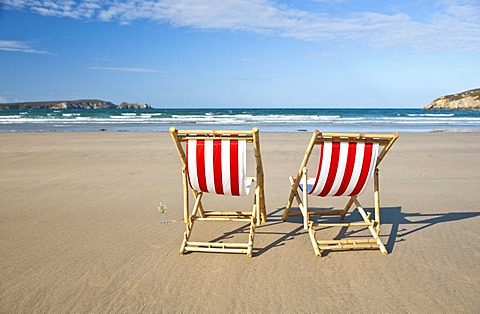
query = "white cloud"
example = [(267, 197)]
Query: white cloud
[(19, 46), (455, 25)]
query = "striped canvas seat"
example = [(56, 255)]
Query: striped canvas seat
[(215, 162), (218, 166), (347, 163), (344, 168)]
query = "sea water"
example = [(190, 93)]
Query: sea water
[(268, 120)]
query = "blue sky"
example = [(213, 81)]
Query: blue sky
[(239, 53)]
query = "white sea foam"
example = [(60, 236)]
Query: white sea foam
[(266, 119), (10, 117), (431, 114), (242, 119)]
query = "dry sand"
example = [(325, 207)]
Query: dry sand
[(80, 232)]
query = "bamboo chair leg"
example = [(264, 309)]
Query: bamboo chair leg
[(262, 205), (186, 214), (186, 236), (304, 208), (251, 235), (289, 204), (197, 206), (200, 206), (256, 203), (313, 239), (376, 187), (296, 195), (347, 208), (302, 168)]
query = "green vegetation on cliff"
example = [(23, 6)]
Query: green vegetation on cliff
[(468, 100)]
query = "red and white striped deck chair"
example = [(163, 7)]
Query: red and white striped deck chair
[(347, 163), (215, 162)]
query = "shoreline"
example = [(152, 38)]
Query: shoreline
[(473, 130), (81, 231)]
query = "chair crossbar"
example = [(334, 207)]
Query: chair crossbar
[(342, 247), (218, 244), (356, 136), (217, 132), (228, 214), (185, 135), (356, 241), (344, 224), (216, 250), (223, 218)]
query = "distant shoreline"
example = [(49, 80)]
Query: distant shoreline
[(87, 104)]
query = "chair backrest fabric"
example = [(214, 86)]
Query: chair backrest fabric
[(345, 167), (217, 166)]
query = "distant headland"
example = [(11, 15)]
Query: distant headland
[(71, 104), (468, 100)]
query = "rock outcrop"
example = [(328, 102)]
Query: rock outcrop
[(468, 100), (125, 105), (72, 104), (62, 104)]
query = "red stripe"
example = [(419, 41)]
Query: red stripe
[(235, 188), (367, 158), (217, 166), (347, 176), (332, 172), (319, 168), (202, 180)]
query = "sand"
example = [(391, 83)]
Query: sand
[(80, 232)]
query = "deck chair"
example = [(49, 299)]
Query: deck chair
[(215, 162), (347, 162)]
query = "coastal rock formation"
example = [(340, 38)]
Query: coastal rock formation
[(72, 104), (62, 104), (468, 100), (125, 105)]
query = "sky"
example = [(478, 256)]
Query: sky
[(240, 53)]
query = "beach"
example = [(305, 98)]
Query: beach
[(81, 233)]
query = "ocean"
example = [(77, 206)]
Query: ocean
[(267, 120)]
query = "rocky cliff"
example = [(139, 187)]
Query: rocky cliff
[(125, 105), (468, 100), (61, 104)]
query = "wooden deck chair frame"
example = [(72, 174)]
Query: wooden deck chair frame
[(254, 217), (385, 142)]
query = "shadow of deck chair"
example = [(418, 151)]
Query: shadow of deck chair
[(215, 162), (347, 162)]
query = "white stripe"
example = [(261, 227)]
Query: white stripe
[(209, 166), (192, 164), (357, 168), (326, 159), (226, 167), (242, 171), (373, 162), (342, 163)]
